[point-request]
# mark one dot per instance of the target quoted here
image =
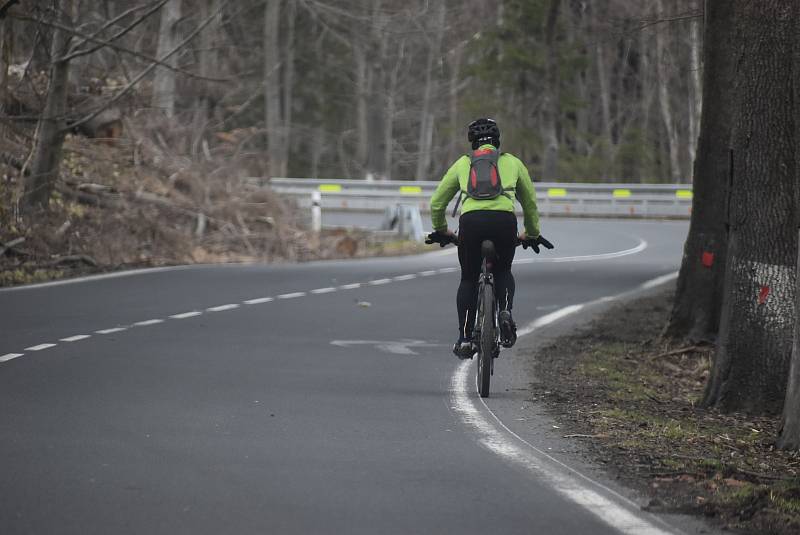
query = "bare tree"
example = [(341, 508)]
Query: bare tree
[(434, 34), (164, 80), (758, 309), (698, 301), (51, 129), (550, 98), (790, 422)]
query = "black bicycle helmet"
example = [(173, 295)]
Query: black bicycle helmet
[(483, 130)]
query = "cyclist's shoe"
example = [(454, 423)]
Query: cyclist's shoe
[(508, 329), (463, 348)]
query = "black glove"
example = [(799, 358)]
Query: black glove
[(536, 242), (439, 237)]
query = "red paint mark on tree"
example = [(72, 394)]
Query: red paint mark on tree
[(708, 259), (762, 295)]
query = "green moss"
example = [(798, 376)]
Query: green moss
[(20, 276)]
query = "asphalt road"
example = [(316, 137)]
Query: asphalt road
[(313, 398)]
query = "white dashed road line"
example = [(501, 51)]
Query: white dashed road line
[(292, 295), (323, 290), (222, 308), (76, 338), (258, 300), (39, 347), (352, 286), (112, 330), (145, 323), (185, 315)]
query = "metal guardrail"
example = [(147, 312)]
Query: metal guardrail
[(552, 198)]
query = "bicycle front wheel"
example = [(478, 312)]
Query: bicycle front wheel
[(487, 340)]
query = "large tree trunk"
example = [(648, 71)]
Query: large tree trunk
[(51, 129), (790, 425), (758, 311), (550, 98), (164, 80), (695, 312)]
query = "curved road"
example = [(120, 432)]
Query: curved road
[(312, 398)]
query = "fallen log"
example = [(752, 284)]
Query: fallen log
[(73, 259), (6, 247)]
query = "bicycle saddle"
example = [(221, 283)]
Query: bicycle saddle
[(488, 250)]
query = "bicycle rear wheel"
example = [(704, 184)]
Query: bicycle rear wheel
[(486, 341)]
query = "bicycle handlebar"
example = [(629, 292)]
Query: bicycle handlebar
[(441, 238), (535, 243), (445, 239)]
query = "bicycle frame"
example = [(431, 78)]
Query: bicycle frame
[(488, 343)]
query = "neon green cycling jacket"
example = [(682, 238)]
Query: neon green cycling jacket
[(515, 180)]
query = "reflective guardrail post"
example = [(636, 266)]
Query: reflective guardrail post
[(316, 211)]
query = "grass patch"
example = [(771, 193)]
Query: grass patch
[(21, 276), (635, 397)]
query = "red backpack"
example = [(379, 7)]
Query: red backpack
[(484, 177)]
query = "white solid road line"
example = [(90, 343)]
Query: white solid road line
[(258, 300), (39, 347), (145, 323), (76, 338), (292, 295), (513, 449), (549, 318), (112, 330), (222, 308), (327, 290), (659, 280), (585, 258), (185, 315), (609, 506), (10, 356)]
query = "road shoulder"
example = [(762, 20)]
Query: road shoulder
[(601, 392)]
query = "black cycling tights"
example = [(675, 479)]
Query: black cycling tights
[(474, 227)]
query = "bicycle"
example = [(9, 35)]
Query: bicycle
[(486, 331)]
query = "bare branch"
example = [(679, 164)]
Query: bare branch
[(75, 52), (147, 70), (153, 61)]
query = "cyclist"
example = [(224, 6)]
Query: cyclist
[(482, 219)]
